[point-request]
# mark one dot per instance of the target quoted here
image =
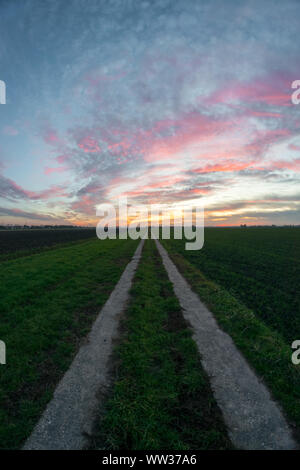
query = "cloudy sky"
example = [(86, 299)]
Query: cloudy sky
[(171, 101)]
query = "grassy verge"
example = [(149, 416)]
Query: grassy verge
[(161, 398), (48, 303), (264, 348)]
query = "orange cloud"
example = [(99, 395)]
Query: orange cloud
[(221, 167)]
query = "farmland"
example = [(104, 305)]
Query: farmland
[(259, 266), (15, 243), (48, 302), (160, 396), (249, 278)]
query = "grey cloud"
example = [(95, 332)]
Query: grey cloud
[(4, 211)]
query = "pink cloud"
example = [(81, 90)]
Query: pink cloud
[(293, 165), (16, 191), (53, 191), (85, 205), (295, 147), (272, 91), (59, 169), (9, 130), (224, 167), (50, 136), (63, 158), (168, 182), (191, 128), (88, 144), (265, 114)]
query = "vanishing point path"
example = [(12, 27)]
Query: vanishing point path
[(253, 419)]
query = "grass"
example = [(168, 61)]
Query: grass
[(48, 303), (17, 243), (260, 266), (265, 348), (161, 398)]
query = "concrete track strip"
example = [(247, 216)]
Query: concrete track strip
[(253, 419), (68, 418)]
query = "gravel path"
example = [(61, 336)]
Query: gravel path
[(68, 419), (253, 419)]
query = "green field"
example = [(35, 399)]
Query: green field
[(249, 278), (259, 266), (48, 302), (160, 396), (24, 242)]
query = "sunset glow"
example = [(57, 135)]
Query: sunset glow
[(162, 103)]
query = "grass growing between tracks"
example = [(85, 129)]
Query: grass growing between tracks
[(265, 348), (48, 303), (161, 398)]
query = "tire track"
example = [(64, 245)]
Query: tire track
[(68, 419), (253, 419)]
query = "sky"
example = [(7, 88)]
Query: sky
[(172, 102)]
